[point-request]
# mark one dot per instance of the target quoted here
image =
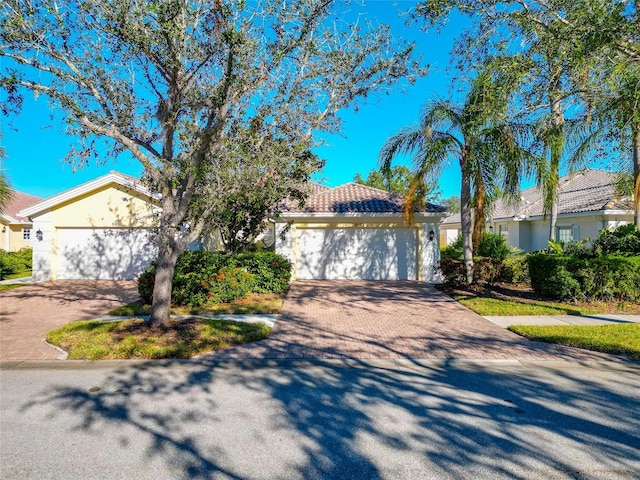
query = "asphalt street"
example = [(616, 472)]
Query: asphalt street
[(331, 420)]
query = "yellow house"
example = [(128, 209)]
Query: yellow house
[(98, 230), (16, 229)]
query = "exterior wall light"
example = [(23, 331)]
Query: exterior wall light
[(432, 235), (39, 235)]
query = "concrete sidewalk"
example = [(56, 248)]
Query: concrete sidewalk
[(595, 319)]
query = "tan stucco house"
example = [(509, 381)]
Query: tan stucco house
[(356, 232), (588, 203), (97, 230), (102, 230), (16, 229)]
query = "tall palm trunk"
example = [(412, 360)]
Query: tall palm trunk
[(465, 216), (636, 175), (555, 156), (480, 212)]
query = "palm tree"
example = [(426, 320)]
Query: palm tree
[(487, 149), (5, 187)]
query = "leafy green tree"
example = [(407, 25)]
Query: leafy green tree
[(176, 82), (5, 187), (452, 204), (396, 181), (571, 51)]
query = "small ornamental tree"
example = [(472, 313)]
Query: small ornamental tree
[(182, 85)]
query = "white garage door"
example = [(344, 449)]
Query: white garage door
[(356, 253), (102, 254)]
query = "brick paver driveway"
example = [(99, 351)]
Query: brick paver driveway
[(389, 320), (28, 313)]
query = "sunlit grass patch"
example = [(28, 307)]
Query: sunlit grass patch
[(618, 339), (134, 339), (10, 286), (495, 306)]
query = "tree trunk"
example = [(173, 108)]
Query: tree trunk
[(168, 253), (636, 176), (465, 221), (480, 213), (556, 151)]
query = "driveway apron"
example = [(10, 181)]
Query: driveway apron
[(27, 313), (389, 320)]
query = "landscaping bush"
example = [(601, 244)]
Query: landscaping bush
[(487, 270), (611, 278), (550, 277), (146, 280), (453, 251), (197, 278), (272, 271), (516, 269), (563, 277), (452, 270), (493, 245), (624, 240), (14, 262), (489, 266), (229, 284)]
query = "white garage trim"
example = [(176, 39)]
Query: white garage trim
[(101, 253)]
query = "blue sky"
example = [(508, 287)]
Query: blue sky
[(36, 144)]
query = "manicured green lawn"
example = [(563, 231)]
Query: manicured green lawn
[(10, 276), (9, 286), (95, 340), (495, 306), (254, 303), (618, 339)]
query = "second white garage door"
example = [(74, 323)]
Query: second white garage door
[(356, 253), (102, 254)]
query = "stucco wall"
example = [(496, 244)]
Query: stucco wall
[(112, 206), (11, 237)]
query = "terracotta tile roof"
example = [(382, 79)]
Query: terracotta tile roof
[(20, 201), (355, 198)]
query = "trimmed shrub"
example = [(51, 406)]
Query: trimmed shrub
[(611, 278), (272, 271), (624, 240), (487, 270), (195, 279), (563, 277), (229, 284), (516, 269), (146, 281), (452, 270), (14, 262), (550, 277), (493, 245)]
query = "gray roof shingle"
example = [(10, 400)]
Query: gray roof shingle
[(587, 190)]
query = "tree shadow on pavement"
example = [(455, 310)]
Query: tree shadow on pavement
[(226, 420)]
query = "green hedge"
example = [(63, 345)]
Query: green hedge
[(202, 277), (563, 277), (14, 262), (486, 270)]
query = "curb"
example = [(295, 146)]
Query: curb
[(412, 364)]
